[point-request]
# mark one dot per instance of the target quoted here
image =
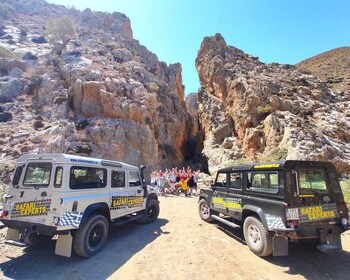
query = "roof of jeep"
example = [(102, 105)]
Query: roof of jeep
[(73, 159), (279, 165)]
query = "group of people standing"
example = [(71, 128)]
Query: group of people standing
[(175, 181)]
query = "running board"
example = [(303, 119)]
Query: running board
[(226, 222), (16, 243), (126, 220)]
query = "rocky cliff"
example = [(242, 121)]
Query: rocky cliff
[(85, 86), (331, 67), (251, 111)]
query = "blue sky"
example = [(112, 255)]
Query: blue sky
[(280, 31)]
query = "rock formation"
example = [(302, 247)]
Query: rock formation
[(98, 93), (251, 111), (332, 67)]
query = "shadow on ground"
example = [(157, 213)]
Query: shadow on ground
[(124, 242), (303, 260)]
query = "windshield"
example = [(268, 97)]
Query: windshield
[(312, 180), (37, 174)]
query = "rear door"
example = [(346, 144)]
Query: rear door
[(314, 201), (31, 191)]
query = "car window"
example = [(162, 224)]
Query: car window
[(221, 180), (37, 174), (17, 175), (134, 179), (118, 179), (82, 177), (263, 182), (235, 181), (312, 180), (58, 177)]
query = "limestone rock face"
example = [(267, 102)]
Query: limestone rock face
[(251, 111), (103, 94)]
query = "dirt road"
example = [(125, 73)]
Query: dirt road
[(179, 245)]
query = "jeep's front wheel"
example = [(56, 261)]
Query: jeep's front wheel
[(91, 237), (151, 211), (257, 237), (204, 211)]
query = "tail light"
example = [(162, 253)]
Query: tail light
[(285, 205), (3, 214)]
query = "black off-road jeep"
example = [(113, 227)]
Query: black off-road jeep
[(279, 201)]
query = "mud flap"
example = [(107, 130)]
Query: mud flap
[(330, 242), (64, 245), (280, 245), (12, 234)]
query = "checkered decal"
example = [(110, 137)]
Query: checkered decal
[(71, 219), (274, 222)]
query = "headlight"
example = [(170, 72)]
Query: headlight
[(344, 222)]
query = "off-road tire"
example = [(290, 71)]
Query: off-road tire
[(257, 237), (91, 237), (36, 239), (204, 211), (151, 213)]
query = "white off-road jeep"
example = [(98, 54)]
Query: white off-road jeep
[(75, 199)]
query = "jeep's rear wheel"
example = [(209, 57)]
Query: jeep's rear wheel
[(257, 237), (91, 237), (204, 211)]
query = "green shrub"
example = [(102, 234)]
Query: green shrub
[(4, 13), (3, 190), (34, 84), (62, 30), (345, 185), (152, 87), (275, 154), (264, 109), (4, 53)]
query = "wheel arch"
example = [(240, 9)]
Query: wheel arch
[(250, 210), (152, 196), (100, 208), (205, 197)]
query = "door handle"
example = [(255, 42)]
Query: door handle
[(138, 191)]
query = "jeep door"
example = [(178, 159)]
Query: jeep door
[(126, 194), (137, 200), (219, 192), (118, 193), (234, 195)]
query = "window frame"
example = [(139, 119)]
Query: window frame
[(58, 168), (261, 190), (86, 182), (230, 185), (112, 179), (311, 190), (139, 179), (37, 185), (17, 176)]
